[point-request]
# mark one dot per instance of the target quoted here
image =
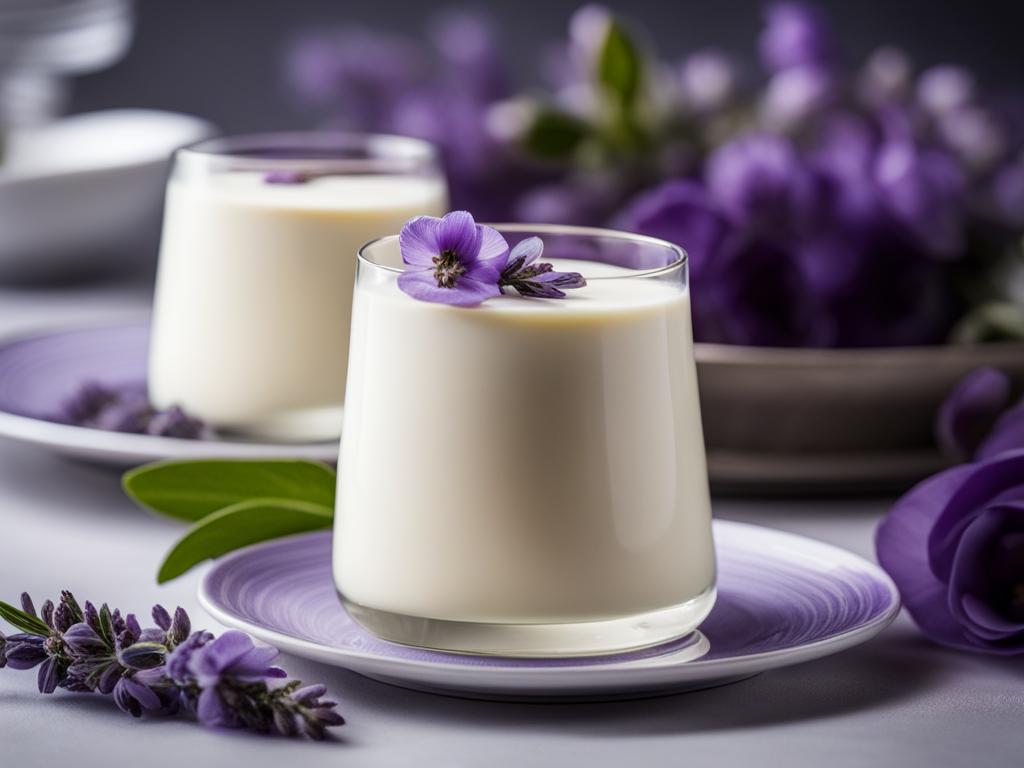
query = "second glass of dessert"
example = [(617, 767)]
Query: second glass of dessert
[(257, 261), (525, 476)]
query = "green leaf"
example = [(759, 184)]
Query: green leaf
[(239, 525), (554, 135), (26, 622), (190, 490), (619, 67)]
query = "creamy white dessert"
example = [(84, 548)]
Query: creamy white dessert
[(251, 319), (527, 461)]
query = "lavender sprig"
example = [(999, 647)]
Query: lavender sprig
[(225, 682), (126, 408), (535, 279)]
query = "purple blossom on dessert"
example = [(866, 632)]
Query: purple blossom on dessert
[(452, 260), (969, 411), (954, 545), (126, 408), (531, 278), (795, 34)]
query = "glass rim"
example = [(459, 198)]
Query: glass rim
[(368, 152), (679, 262)]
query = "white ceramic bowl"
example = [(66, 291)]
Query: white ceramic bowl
[(831, 419), (83, 194)]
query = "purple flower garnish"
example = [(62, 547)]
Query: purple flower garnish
[(225, 682), (528, 277), (454, 260)]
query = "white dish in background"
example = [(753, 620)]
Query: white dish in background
[(83, 194)]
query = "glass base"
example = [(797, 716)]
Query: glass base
[(581, 638), (298, 426)]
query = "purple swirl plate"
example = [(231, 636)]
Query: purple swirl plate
[(38, 372), (782, 599)]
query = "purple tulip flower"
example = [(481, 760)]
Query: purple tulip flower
[(795, 34), (969, 412), (452, 260), (954, 545)]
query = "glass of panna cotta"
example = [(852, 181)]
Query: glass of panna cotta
[(527, 476), (257, 261)]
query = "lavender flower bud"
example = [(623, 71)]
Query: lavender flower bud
[(47, 613), (143, 655), (161, 617), (49, 675), (24, 651), (26, 604), (309, 693), (284, 723), (92, 617), (83, 640), (3, 646), (180, 628), (132, 625), (109, 678), (133, 697), (63, 617)]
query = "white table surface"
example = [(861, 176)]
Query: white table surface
[(897, 700)]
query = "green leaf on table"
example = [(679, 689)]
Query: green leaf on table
[(26, 622), (554, 135), (190, 490), (619, 66), (240, 525)]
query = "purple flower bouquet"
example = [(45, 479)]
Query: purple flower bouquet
[(849, 211)]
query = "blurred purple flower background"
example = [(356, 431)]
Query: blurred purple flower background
[(822, 204)]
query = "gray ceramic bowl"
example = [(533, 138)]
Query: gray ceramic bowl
[(813, 420)]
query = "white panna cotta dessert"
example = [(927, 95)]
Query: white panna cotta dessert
[(526, 476), (254, 289)]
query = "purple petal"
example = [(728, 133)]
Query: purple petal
[(795, 33), (493, 248), (467, 293), (211, 710), (254, 664), (529, 250), (141, 693), (161, 617), (214, 658), (1007, 434), (49, 676), (901, 544), (418, 241), (968, 413), (974, 587), (992, 481), (458, 233)]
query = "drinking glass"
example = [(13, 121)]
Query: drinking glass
[(527, 477), (257, 261)]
